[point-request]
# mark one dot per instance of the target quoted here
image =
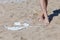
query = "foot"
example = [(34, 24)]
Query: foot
[(46, 21), (41, 17)]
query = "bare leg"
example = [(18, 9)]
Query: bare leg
[(44, 10)]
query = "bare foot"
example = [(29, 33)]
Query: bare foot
[(46, 21), (41, 17)]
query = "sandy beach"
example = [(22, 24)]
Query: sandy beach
[(29, 10)]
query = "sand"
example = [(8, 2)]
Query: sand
[(29, 11)]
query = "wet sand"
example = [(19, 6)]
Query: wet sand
[(29, 10)]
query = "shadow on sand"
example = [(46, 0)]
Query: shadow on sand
[(55, 13)]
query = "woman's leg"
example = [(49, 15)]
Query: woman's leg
[(44, 10)]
